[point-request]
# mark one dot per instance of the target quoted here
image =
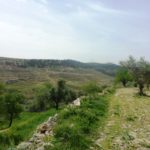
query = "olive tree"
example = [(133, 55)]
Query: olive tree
[(11, 106), (58, 93), (140, 70), (123, 76), (62, 93)]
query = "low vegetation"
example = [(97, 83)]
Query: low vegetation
[(18, 123), (77, 126), (22, 128), (62, 93)]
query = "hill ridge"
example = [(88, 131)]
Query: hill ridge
[(106, 68)]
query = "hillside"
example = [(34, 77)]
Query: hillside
[(15, 71), (10, 63), (28, 75), (43, 70)]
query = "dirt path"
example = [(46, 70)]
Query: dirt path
[(128, 123)]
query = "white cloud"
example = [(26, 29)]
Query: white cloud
[(24, 1), (44, 1), (101, 8), (85, 30)]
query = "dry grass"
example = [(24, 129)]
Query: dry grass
[(27, 79), (128, 124)]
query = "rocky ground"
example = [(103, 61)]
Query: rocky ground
[(128, 123)]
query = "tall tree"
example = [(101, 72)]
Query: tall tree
[(59, 93), (54, 97)]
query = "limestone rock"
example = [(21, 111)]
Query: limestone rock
[(24, 146)]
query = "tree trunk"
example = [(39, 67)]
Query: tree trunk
[(57, 105), (148, 86), (141, 88), (11, 119), (124, 83)]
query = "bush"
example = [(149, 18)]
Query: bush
[(77, 125), (71, 137), (91, 88)]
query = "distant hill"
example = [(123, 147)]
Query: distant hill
[(26, 75), (108, 68)]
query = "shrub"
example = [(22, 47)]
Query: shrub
[(71, 137), (77, 125), (91, 88)]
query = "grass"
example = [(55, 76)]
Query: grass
[(127, 124), (76, 127), (22, 128)]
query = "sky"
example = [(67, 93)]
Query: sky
[(85, 30)]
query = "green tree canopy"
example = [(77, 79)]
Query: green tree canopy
[(11, 105), (140, 70), (62, 93), (123, 76)]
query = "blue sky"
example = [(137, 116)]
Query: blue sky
[(85, 30)]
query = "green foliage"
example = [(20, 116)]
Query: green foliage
[(11, 105), (110, 90), (2, 88), (48, 96), (62, 94), (92, 88), (77, 126), (54, 97), (22, 128), (71, 137), (42, 98), (140, 70), (123, 76)]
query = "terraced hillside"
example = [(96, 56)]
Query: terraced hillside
[(29, 74)]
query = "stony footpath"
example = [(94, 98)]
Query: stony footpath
[(128, 123), (44, 131)]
